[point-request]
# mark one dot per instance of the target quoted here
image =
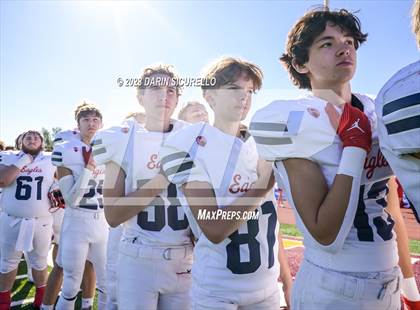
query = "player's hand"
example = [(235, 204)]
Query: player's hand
[(410, 305), (88, 159), (353, 127), (24, 160)]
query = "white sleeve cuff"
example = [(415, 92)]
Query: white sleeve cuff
[(352, 161), (73, 190)]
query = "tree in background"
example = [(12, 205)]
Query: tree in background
[(49, 137)]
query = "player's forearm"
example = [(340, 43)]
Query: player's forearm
[(73, 189), (217, 230), (331, 212), (243, 205), (8, 175), (403, 248), (232, 216), (327, 212), (393, 209), (285, 274), (119, 207)]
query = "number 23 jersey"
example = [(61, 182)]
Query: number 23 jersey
[(27, 196)]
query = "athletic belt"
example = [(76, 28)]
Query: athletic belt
[(131, 247), (347, 285), (80, 213)]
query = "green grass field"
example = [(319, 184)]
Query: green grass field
[(23, 291)]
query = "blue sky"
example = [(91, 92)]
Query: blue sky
[(55, 53)]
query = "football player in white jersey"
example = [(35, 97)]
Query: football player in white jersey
[(115, 234), (235, 257), (335, 183), (155, 253), (55, 278), (17, 148), (84, 230), (25, 222), (398, 111)]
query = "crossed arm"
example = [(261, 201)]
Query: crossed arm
[(322, 209), (119, 206)]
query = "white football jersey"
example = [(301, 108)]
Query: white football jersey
[(247, 259), (370, 244), (398, 110), (27, 196), (4, 160), (68, 154), (136, 151), (66, 135)]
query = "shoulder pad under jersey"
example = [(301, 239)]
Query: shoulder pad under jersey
[(292, 129)]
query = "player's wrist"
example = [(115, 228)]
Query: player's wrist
[(25, 160), (90, 167), (352, 161), (360, 142)]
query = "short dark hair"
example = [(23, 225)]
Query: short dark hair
[(160, 68), (229, 69), (86, 108), (304, 32), (18, 141)]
